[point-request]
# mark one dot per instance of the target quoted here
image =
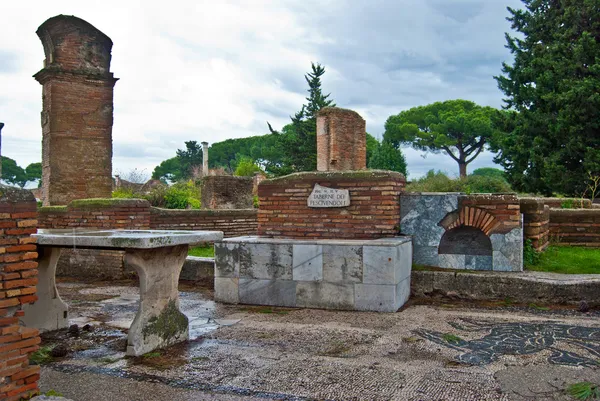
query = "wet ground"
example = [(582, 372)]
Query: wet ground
[(435, 351)]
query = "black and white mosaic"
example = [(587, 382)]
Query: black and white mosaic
[(568, 345)]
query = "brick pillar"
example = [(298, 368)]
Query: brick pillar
[(77, 111), (341, 140), (536, 222), (18, 270)]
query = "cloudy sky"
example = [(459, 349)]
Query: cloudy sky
[(211, 70)]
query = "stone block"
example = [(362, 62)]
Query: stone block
[(267, 292), (403, 261), (227, 257), (451, 261), (426, 255), (375, 297), (312, 294), (342, 264), (307, 262), (266, 261), (379, 264), (226, 290), (478, 262), (403, 292)]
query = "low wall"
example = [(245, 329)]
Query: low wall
[(18, 287), (233, 222), (133, 214), (226, 192), (556, 203), (374, 210), (329, 274), (576, 227)]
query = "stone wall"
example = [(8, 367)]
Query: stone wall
[(341, 140), (536, 222), (430, 217), (233, 222), (373, 212), (576, 227), (77, 111), (330, 274), (556, 203), (18, 280), (226, 192)]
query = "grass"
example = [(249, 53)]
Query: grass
[(584, 391), (568, 260), (452, 339), (205, 251), (42, 355)]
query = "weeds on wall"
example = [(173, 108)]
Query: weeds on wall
[(531, 257), (181, 195)]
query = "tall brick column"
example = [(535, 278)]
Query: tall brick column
[(341, 140), (18, 271), (77, 111)]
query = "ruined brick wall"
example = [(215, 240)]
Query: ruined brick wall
[(18, 271), (133, 214), (233, 223), (374, 210), (576, 227), (556, 203), (77, 111), (226, 192), (341, 140), (536, 222), (504, 208)]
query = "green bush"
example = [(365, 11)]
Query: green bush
[(437, 181), (123, 193), (182, 195)]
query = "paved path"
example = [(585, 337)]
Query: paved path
[(443, 352)]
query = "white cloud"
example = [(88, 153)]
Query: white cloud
[(209, 70)]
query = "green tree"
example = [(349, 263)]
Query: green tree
[(297, 143), (552, 85), (459, 128), (168, 171), (13, 173), (488, 172), (246, 167), (34, 172), (189, 158), (387, 157)]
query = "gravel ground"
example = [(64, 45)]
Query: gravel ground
[(424, 352)]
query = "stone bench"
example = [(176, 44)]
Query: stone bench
[(365, 275)]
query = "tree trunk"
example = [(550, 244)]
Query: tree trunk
[(462, 168)]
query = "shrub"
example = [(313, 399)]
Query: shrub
[(182, 195), (123, 193), (439, 182)]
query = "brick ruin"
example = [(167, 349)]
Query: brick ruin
[(18, 280), (77, 111), (341, 161), (226, 192), (341, 140)]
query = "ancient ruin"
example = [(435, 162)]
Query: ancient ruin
[(77, 111)]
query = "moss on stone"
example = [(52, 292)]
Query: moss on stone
[(368, 175), (52, 209), (168, 325), (104, 202)]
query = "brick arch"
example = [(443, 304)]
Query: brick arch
[(470, 217)]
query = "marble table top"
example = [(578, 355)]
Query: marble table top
[(139, 239)]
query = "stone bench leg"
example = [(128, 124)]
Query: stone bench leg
[(158, 322), (49, 312)]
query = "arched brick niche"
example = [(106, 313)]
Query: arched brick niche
[(458, 231)]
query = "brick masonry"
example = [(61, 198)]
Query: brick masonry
[(77, 111), (576, 227), (374, 209), (536, 222), (131, 214), (18, 280), (341, 140), (226, 192)]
